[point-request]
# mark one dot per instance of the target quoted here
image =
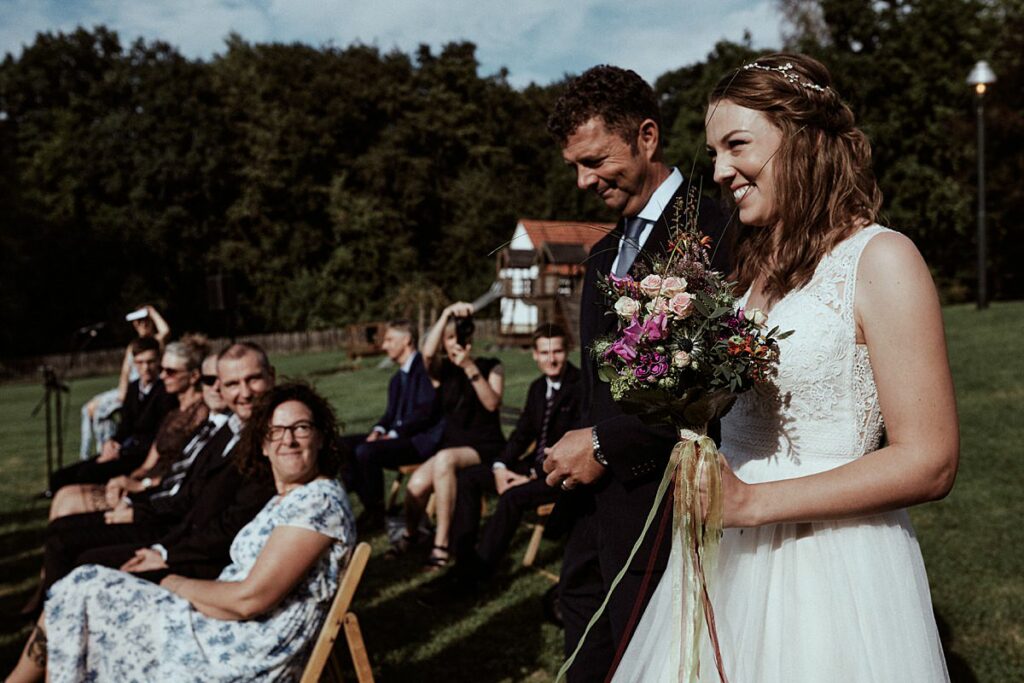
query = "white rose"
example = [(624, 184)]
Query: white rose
[(681, 359), (651, 285), (673, 285), (627, 307)]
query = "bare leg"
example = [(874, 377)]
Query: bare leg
[(32, 664), (449, 461), (77, 499), (417, 493)]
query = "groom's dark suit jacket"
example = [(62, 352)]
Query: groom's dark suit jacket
[(611, 512)]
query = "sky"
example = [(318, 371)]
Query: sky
[(536, 40)]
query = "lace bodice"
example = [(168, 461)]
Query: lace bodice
[(822, 408)]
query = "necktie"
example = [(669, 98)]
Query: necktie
[(542, 440), (630, 245), (403, 398)]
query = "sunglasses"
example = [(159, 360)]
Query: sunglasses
[(208, 380), (172, 372)]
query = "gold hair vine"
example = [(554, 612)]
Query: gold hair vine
[(788, 73)]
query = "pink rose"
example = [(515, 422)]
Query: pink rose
[(680, 359), (651, 285), (673, 285), (680, 305)]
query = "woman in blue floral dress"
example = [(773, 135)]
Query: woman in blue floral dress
[(259, 619)]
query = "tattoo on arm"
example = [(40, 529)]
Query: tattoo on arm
[(36, 648)]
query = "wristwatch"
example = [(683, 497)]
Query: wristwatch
[(598, 455)]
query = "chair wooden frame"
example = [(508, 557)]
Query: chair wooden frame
[(339, 618), (530, 556)]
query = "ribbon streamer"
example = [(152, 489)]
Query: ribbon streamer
[(696, 536)]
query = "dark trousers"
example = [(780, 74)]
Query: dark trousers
[(367, 460), (473, 483), (91, 472), (595, 553), (69, 541)]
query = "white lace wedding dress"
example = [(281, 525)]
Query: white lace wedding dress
[(831, 602)]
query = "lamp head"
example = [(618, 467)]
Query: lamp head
[(981, 77)]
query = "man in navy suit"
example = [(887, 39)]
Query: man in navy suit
[(608, 125), (408, 432)]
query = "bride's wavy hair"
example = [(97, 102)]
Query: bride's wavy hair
[(824, 186)]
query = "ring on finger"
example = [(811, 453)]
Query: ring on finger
[(566, 485)]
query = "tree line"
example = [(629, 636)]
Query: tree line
[(336, 184)]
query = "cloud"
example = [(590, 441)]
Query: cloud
[(537, 40)]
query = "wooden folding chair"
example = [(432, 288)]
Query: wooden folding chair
[(543, 512), (337, 618), (396, 484)]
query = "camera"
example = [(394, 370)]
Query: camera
[(464, 328)]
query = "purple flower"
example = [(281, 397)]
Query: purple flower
[(634, 332), (620, 283), (640, 371), (623, 349), (655, 327), (659, 365)]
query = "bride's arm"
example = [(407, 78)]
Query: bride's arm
[(897, 310), (285, 559)]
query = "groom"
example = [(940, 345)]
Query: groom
[(608, 125)]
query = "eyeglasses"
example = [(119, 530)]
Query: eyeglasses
[(171, 372), (208, 380), (299, 430)]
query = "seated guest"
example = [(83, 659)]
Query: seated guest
[(517, 476), (190, 532), (408, 432), (469, 393), (180, 372), (145, 406), (98, 423), (260, 618)]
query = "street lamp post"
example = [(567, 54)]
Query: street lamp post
[(981, 77)]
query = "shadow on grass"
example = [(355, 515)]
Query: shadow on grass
[(415, 629), (959, 670)]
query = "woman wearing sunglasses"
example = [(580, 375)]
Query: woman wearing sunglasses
[(183, 376)]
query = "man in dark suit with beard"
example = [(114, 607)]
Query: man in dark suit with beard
[(608, 125)]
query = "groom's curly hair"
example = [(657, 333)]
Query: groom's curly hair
[(620, 97)]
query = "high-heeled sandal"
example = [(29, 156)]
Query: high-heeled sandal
[(435, 561)]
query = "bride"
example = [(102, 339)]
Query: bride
[(820, 577)]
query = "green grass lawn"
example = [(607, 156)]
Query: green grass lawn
[(971, 540)]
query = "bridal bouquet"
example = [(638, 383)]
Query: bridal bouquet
[(683, 350)]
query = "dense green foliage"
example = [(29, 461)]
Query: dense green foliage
[(324, 179)]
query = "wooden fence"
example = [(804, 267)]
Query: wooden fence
[(357, 340)]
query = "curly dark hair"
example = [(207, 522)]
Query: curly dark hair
[(619, 96), (250, 454)]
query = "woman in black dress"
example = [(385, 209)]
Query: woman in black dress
[(470, 391)]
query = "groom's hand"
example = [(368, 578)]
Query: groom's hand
[(571, 461)]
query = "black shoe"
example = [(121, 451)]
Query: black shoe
[(553, 606)]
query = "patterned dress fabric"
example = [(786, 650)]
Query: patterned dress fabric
[(842, 601), (107, 625)]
